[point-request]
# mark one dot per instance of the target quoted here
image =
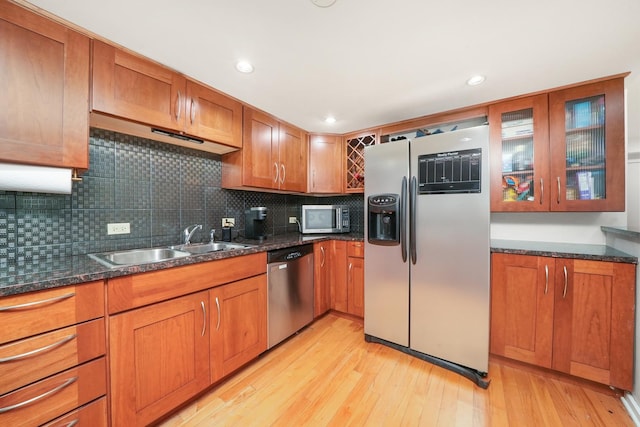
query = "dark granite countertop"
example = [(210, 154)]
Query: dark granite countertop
[(37, 275), (562, 250), (629, 232)]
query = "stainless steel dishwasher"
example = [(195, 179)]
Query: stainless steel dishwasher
[(290, 291)]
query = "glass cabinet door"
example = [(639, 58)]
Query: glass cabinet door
[(519, 155), (587, 147)]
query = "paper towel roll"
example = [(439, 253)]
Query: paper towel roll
[(39, 179)]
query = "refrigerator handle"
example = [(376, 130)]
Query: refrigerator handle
[(412, 225), (403, 218)]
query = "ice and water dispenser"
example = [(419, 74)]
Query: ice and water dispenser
[(384, 219)]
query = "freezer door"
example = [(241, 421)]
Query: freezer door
[(386, 275), (450, 278)]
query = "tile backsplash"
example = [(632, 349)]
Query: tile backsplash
[(158, 188)]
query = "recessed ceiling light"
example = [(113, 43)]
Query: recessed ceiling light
[(475, 80), (323, 3), (244, 67), (330, 120)]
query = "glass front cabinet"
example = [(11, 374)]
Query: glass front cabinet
[(561, 151)]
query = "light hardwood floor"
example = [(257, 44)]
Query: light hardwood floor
[(327, 375)]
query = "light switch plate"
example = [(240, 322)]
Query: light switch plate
[(118, 228)]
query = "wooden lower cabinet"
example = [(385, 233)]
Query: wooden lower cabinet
[(238, 324), (347, 290), (159, 358), (93, 414), (321, 278), (571, 315), (54, 396)]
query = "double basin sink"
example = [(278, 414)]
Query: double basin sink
[(149, 255)]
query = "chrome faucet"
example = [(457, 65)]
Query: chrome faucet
[(212, 235), (188, 232)]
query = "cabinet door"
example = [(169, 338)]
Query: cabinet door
[(587, 147), (44, 82), (325, 164), (238, 324), (355, 286), (292, 146), (522, 300), (339, 289), (519, 135), (260, 166), (159, 358), (322, 278), (213, 116), (131, 87), (594, 321)]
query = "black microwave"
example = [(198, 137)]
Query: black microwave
[(325, 219)]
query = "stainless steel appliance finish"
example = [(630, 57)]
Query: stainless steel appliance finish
[(325, 219), (290, 291), (427, 277)]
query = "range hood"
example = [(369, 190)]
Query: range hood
[(106, 122)]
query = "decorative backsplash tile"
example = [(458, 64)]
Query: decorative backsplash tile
[(158, 188)]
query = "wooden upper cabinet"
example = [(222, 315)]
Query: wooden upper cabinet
[(292, 154), (131, 87), (44, 82), (273, 156), (586, 136), (325, 164), (212, 115), (519, 135), (561, 151)]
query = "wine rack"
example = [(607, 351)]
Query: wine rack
[(355, 161)]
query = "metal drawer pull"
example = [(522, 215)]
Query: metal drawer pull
[(546, 279), (42, 396), (558, 190), (204, 318), (39, 350), (275, 165), (178, 106), (322, 250), (284, 173), (35, 303), (218, 306), (193, 110), (72, 423), (564, 293), (541, 190)]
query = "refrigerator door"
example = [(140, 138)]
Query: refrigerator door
[(449, 309), (386, 275)]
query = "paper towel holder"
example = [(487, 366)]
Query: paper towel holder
[(75, 177)]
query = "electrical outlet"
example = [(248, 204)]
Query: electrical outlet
[(228, 222), (118, 228), (293, 220)]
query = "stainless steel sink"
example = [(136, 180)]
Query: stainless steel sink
[(203, 248), (137, 256)]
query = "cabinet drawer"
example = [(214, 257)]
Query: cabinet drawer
[(94, 414), (355, 249), (54, 396), (28, 360), (33, 313), (147, 288)]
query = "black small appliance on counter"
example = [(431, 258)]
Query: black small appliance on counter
[(255, 223)]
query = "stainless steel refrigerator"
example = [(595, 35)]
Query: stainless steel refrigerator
[(427, 248)]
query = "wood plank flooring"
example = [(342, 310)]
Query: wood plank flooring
[(327, 375)]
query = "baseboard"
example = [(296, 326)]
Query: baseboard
[(631, 405)]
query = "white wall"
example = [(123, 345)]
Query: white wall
[(583, 227)]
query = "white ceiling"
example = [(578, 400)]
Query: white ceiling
[(371, 62)]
